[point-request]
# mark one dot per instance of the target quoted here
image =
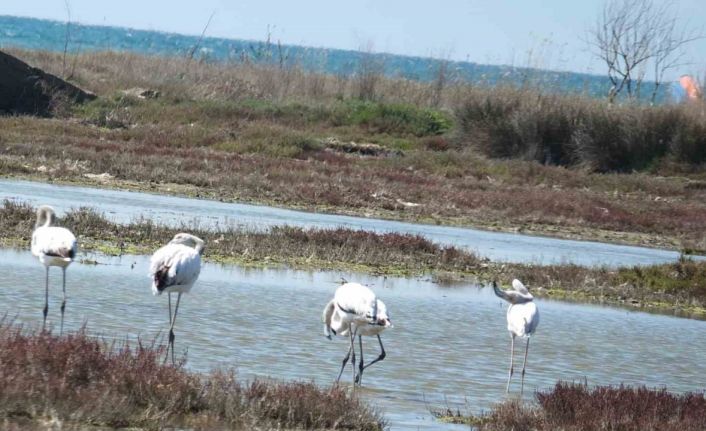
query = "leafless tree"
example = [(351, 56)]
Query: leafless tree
[(669, 49), (634, 36)]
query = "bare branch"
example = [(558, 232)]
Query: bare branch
[(634, 36), (196, 46)]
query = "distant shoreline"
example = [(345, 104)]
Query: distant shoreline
[(93, 37)]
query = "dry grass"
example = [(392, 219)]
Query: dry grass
[(576, 407), (256, 133), (77, 379), (106, 72)]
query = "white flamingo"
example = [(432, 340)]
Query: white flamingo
[(522, 320), (335, 325), (54, 246), (353, 308), (175, 268)]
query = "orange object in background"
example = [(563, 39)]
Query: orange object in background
[(691, 87)]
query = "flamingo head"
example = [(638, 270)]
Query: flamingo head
[(190, 241), (382, 318)]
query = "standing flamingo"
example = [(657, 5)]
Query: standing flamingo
[(54, 246), (522, 321), (353, 308), (175, 268), (334, 324)]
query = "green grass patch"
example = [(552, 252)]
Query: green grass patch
[(685, 277), (273, 141), (393, 118)]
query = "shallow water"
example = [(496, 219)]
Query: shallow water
[(447, 346), (123, 206)]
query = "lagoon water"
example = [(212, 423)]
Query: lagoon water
[(448, 345), (124, 206)]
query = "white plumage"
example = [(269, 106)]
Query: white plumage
[(175, 268), (358, 304), (522, 320), (53, 246), (355, 310), (336, 324)]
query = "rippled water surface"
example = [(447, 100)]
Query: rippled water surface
[(123, 206), (448, 345)]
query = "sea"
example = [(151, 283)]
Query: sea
[(40, 34)]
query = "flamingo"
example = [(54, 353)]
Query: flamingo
[(175, 268), (334, 324), (54, 246), (522, 321), (355, 310)]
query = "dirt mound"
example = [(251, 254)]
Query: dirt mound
[(27, 90)]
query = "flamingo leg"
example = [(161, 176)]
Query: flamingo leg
[(169, 296), (169, 304), (361, 367), (343, 365), (171, 330), (63, 302), (512, 353), (524, 363), (46, 298), (379, 358), (353, 333)]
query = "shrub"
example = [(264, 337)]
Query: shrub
[(572, 406), (576, 407), (81, 379), (571, 130)]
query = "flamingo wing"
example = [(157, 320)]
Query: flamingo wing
[(523, 319), (357, 300), (54, 241), (174, 265)]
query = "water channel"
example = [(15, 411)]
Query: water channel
[(448, 346), (124, 206)]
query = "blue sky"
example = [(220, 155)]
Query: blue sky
[(539, 33)]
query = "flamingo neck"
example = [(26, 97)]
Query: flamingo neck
[(199, 247), (46, 215), (523, 298)]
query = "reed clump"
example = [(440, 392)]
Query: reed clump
[(571, 130), (82, 380)]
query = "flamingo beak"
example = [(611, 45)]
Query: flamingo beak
[(384, 322)]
